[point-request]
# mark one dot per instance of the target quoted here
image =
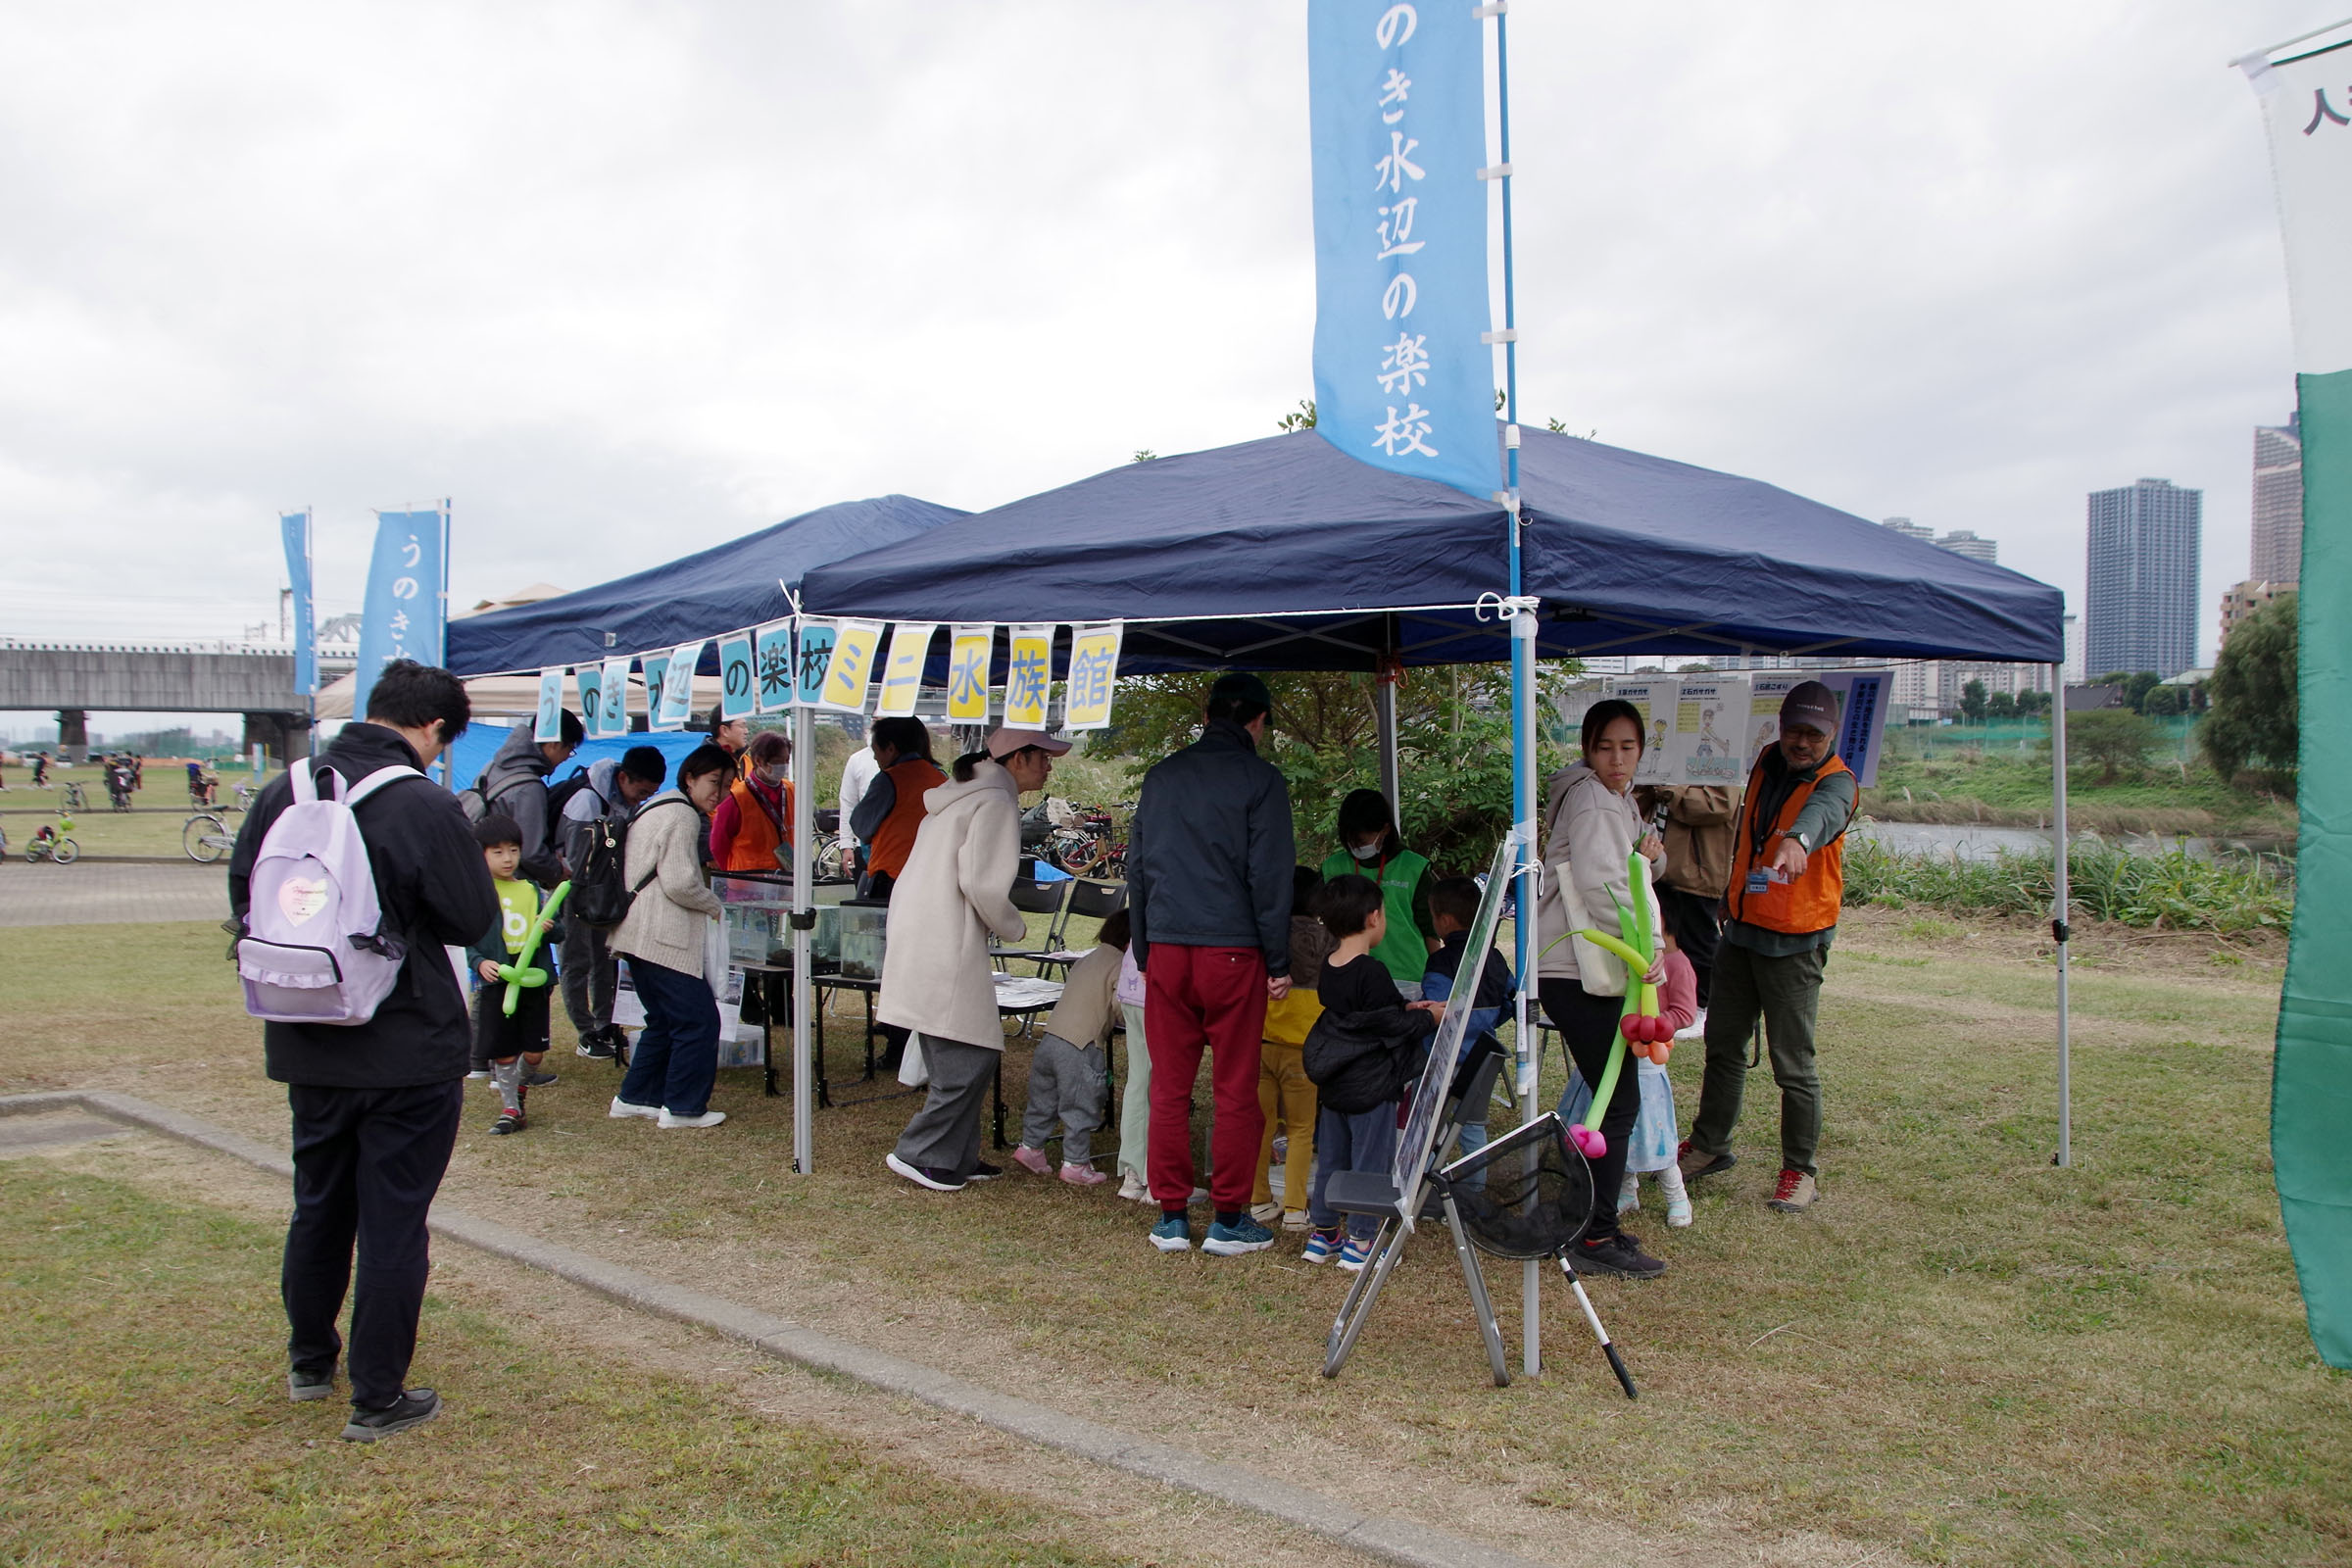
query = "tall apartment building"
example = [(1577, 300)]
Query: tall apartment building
[(1909, 529), (2277, 504), (2141, 608), (1964, 542)]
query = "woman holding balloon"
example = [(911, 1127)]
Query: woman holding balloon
[(1591, 828)]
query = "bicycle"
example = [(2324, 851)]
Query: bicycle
[(213, 841), (53, 843), (74, 799)]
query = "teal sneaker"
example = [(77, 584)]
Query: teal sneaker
[(1173, 1234), (1245, 1235)]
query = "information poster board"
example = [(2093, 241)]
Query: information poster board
[(1654, 697), (1710, 723), (1863, 699)]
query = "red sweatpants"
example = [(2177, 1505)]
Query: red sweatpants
[(1213, 998)]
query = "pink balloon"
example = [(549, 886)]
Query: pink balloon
[(1588, 1141)]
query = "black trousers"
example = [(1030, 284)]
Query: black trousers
[(367, 1163), (1587, 1026), (1697, 931)]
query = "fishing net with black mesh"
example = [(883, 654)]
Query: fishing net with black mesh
[(1536, 1197)]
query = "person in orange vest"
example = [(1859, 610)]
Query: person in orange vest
[(1781, 912), (755, 816)]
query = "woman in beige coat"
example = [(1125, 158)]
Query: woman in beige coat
[(936, 977), (663, 936)]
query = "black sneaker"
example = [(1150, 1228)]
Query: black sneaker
[(1618, 1254), (984, 1171), (303, 1386), (537, 1080), (1695, 1163), (508, 1121), (597, 1043), (938, 1178), (412, 1409)]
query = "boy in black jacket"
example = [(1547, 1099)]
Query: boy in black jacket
[(376, 1105), (1361, 1052)]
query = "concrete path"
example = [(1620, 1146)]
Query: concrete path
[(1397, 1540), (110, 893)]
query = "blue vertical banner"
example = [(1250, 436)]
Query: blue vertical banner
[(1397, 114), (401, 617), (295, 526)]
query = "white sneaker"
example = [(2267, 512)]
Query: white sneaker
[(1629, 1195), (1265, 1213), (1135, 1189), (479, 1072), (1697, 1029), (622, 1110), (1677, 1211), (708, 1118)]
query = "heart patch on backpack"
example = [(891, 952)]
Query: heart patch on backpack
[(301, 898)]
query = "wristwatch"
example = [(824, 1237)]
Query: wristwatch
[(1801, 842)]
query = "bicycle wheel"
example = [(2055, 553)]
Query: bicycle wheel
[(825, 857), (1079, 855), (67, 851), (205, 837)]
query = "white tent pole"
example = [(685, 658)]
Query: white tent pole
[(1384, 704), (2060, 932), (804, 919)]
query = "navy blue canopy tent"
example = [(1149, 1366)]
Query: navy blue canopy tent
[(722, 589), (1285, 554)]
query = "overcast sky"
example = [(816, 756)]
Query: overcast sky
[(627, 280)]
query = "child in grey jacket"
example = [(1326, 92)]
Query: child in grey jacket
[(1071, 1070)]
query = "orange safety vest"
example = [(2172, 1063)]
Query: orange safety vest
[(757, 833), (894, 839), (1798, 908)]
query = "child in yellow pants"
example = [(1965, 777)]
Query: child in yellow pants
[(1284, 1091)]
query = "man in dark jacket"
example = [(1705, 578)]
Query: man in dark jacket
[(514, 784), (376, 1105), (1209, 859)]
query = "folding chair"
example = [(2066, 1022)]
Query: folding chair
[(1089, 900), (1526, 1195), (1035, 898)]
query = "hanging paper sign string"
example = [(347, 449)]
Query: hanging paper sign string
[(737, 698), (772, 664), (551, 705), (677, 685), (590, 679), (615, 720), (657, 672), (903, 672), (1027, 678), (813, 657), (851, 667), (1093, 675), (968, 653)]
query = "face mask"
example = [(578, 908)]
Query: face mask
[(1366, 852)]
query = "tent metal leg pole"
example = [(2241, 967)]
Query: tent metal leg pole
[(803, 907), (1384, 708), (2061, 932)]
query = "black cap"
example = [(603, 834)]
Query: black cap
[(1240, 686)]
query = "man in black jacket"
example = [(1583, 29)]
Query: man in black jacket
[(1209, 859), (376, 1105)]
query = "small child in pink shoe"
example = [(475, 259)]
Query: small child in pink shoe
[(1071, 1070)]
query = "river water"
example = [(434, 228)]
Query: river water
[(1974, 843)]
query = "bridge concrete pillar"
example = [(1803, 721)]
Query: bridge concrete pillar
[(74, 734), (284, 736)]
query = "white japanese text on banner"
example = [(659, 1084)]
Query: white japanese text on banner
[(1397, 113)]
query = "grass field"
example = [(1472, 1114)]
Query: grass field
[(152, 827), (2010, 788), (143, 1419), (1964, 1355)]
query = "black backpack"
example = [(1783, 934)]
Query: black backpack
[(560, 794), (598, 853)]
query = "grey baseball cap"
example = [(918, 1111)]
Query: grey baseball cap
[(1811, 705)]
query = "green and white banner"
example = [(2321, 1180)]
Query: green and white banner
[(2307, 102)]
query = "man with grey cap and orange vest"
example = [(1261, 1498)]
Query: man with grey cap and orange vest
[(1781, 912)]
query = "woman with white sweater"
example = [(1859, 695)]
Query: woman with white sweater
[(663, 938), (936, 980), (1591, 829)]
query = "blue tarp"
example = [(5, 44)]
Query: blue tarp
[(725, 588), (481, 742), (1283, 554)]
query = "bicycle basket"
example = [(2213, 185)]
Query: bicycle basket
[(1536, 1195)]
